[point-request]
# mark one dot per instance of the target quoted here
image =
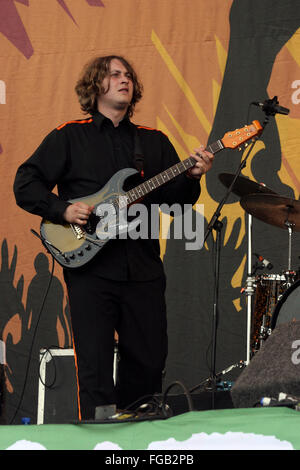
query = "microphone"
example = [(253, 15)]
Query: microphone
[(265, 263), (271, 107)]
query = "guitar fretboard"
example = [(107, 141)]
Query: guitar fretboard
[(155, 182)]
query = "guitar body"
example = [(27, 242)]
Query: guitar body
[(73, 245)]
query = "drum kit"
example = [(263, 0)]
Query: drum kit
[(276, 296)]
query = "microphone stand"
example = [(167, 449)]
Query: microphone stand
[(216, 225), (249, 289)]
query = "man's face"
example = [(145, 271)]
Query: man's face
[(118, 88)]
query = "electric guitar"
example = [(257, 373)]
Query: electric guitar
[(73, 245)]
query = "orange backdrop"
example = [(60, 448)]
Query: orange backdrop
[(180, 50)]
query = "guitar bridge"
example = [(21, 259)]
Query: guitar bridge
[(78, 231)]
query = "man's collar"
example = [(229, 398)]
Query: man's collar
[(99, 119)]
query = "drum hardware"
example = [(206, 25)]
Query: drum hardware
[(290, 279), (270, 290), (282, 212), (269, 287), (253, 345), (243, 187), (289, 226), (275, 210), (264, 331), (258, 266)]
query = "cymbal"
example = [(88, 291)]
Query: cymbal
[(244, 186), (273, 209)]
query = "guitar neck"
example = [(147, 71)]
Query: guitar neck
[(155, 182)]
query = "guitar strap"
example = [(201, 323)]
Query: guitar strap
[(138, 157)]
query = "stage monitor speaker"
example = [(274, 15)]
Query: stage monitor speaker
[(57, 392), (274, 368)]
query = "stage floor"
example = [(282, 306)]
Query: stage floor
[(274, 428)]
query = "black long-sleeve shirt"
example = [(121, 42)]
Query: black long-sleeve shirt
[(80, 157)]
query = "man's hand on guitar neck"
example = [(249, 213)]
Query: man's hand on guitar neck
[(78, 213), (203, 165)]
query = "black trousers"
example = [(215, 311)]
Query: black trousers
[(137, 312)]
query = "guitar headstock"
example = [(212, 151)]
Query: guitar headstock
[(234, 139)]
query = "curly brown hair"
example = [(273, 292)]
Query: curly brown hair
[(89, 85)]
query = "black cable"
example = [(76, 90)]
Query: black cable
[(131, 405), (140, 413), (159, 405), (186, 393), (140, 406), (32, 343), (48, 350)]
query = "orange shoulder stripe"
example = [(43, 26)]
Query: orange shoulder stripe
[(151, 129), (82, 121), (148, 128)]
